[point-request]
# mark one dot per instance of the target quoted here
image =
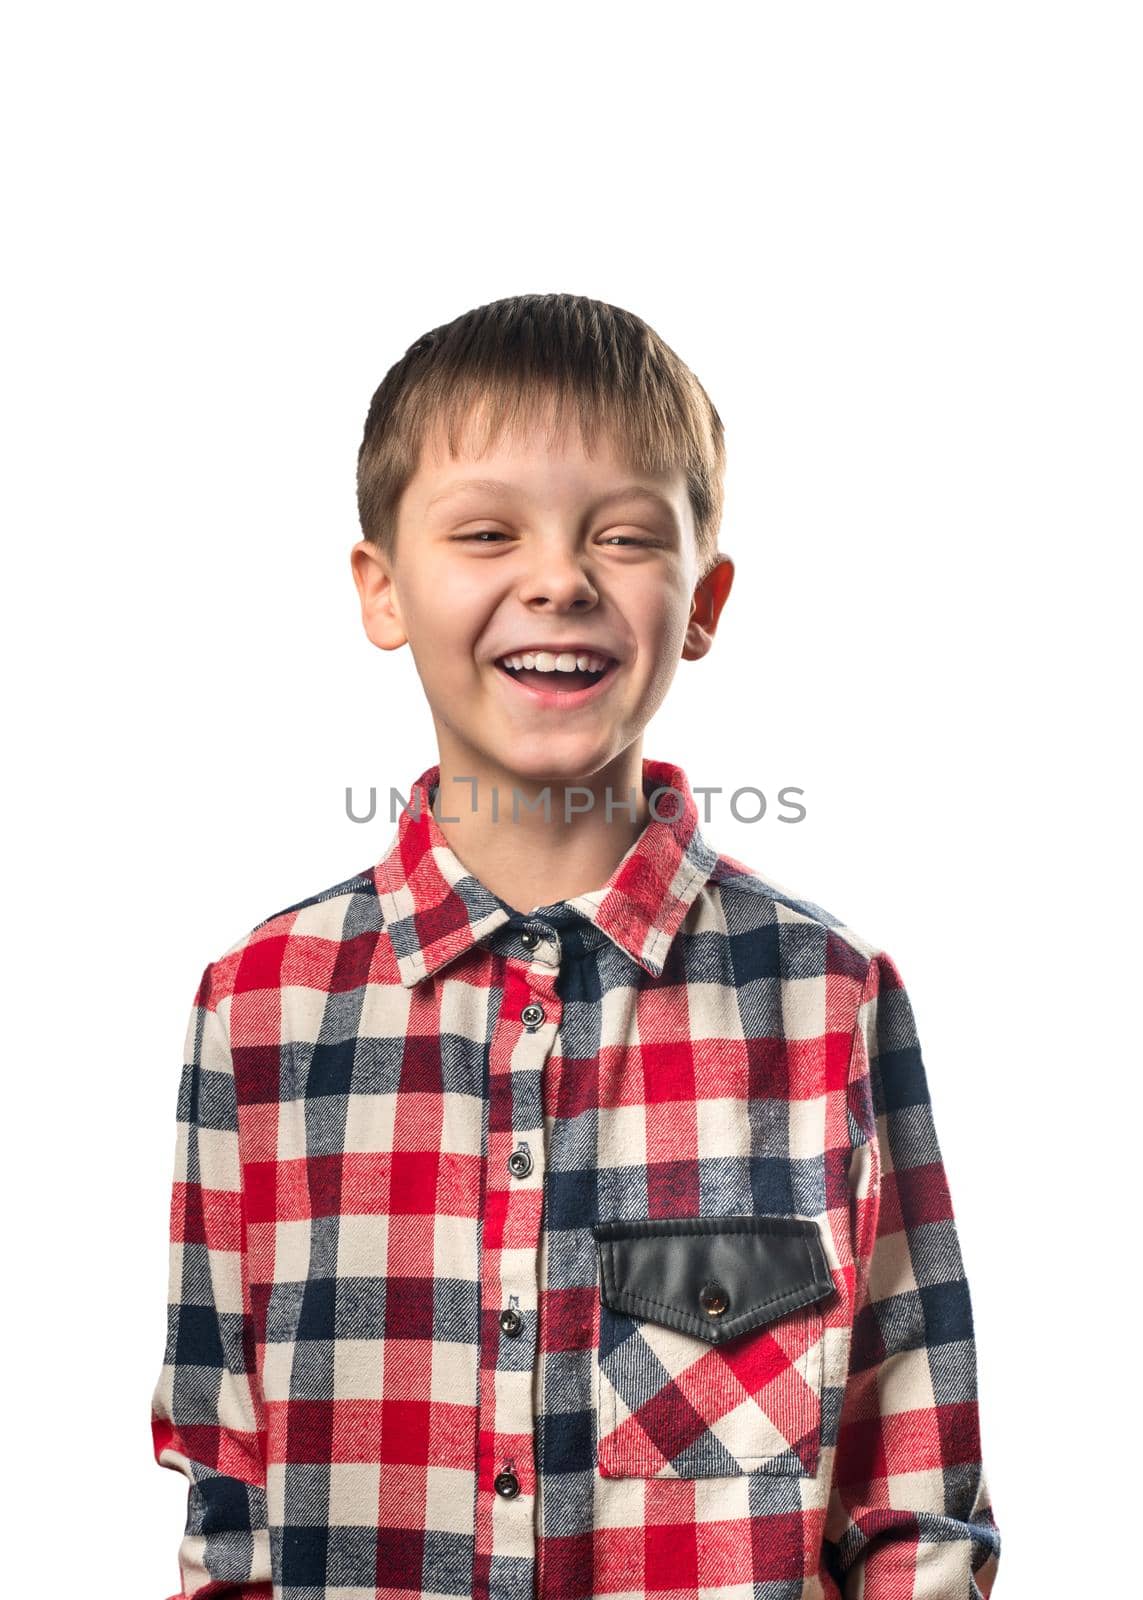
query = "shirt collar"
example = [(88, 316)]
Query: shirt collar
[(434, 909)]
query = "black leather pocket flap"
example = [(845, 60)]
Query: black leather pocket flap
[(714, 1277)]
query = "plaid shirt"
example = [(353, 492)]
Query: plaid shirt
[(602, 1251)]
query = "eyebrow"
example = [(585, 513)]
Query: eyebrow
[(496, 486)]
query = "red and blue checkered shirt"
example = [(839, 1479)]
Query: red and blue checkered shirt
[(604, 1250)]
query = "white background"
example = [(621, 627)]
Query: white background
[(900, 246)]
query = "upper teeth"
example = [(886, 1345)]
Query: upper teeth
[(545, 661)]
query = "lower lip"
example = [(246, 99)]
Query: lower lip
[(561, 699)]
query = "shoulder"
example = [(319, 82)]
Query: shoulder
[(755, 905), (301, 943)]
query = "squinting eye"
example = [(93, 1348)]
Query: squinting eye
[(615, 538)]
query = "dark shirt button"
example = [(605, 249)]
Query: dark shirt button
[(532, 1016), (520, 1163), (507, 1484), (511, 1322), (529, 939), (714, 1299)]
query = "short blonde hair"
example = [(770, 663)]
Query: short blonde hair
[(512, 359)]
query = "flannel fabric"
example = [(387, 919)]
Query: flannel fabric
[(400, 1359)]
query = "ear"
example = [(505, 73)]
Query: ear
[(380, 607), (706, 608)]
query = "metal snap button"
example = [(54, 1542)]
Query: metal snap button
[(529, 939), (520, 1162), (532, 1016), (714, 1299), (511, 1322), (507, 1484)]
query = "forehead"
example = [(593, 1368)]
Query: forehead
[(534, 458)]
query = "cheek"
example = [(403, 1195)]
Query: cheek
[(658, 618), (661, 677), (444, 614)]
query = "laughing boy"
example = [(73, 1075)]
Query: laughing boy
[(558, 1209)]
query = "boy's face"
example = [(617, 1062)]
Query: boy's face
[(537, 544)]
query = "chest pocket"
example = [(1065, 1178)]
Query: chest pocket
[(709, 1361)]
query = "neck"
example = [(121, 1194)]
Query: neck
[(534, 853)]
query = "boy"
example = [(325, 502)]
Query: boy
[(558, 1208)]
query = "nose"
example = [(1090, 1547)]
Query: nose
[(556, 577)]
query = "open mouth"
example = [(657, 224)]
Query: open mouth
[(557, 686)]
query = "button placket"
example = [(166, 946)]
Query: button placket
[(523, 1038)]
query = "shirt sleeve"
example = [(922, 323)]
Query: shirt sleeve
[(207, 1417), (909, 1511)]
